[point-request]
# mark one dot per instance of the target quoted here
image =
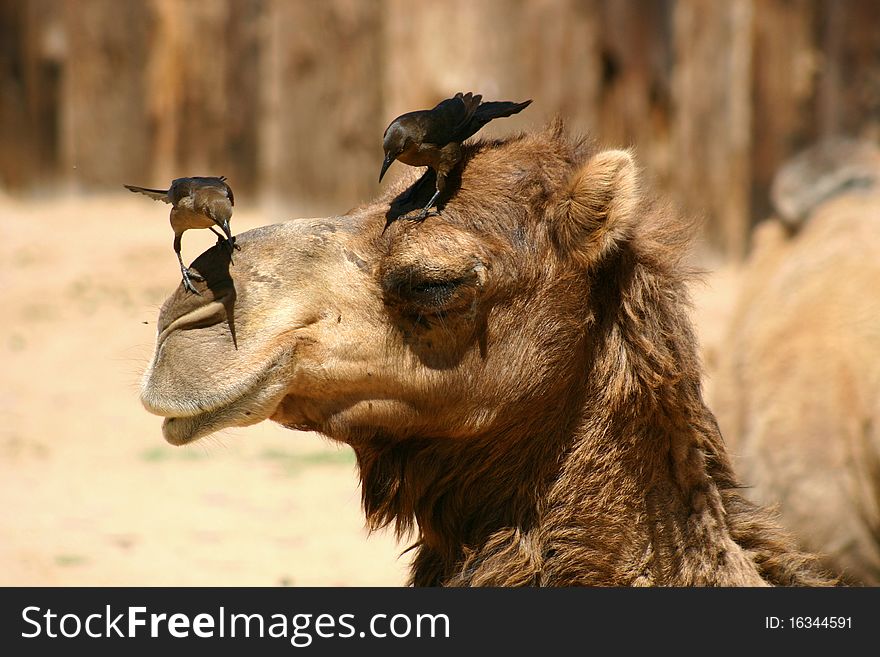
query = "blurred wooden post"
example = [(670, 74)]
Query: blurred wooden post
[(321, 126), (436, 49), (783, 91), (849, 71), (32, 52), (559, 57), (204, 58), (244, 38), (106, 132), (713, 116), (204, 89), (635, 103)]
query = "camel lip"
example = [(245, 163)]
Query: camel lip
[(182, 429), (179, 431), (254, 402), (248, 409)]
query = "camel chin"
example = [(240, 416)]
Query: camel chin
[(253, 406), (179, 431)]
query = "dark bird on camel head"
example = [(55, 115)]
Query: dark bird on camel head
[(433, 137), (199, 202)]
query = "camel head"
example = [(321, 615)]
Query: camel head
[(516, 375), (372, 324)]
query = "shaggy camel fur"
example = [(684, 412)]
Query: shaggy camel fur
[(798, 388), (517, 376)]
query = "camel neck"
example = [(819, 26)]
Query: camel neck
[(457, 495)]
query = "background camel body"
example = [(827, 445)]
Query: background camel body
[(517, 376), (798, 390)]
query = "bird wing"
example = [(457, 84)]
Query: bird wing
[(183, 187), (156, 194), (449, 116)]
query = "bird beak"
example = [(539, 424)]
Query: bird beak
[(387, 163), (226, 230)]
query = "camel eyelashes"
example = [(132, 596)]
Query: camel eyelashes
[(434, 287), (433, 293), (423, 291), (428, 291)]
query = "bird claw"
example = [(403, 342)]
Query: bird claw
[(421, 215), (188, 277), (189, 287)]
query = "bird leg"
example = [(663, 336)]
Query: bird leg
[(441, 183), (424, 213), (188, 274)]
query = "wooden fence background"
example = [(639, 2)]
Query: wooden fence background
[(289, 98)]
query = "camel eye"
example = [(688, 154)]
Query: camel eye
[(426, 291), (433, 292)]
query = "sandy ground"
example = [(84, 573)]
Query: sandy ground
[(91, 494)]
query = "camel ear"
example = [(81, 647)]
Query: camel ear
[(597, 209)]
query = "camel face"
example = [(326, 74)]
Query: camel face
[(517, 375), (442, 328)]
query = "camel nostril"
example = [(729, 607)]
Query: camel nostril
[(209, 314)]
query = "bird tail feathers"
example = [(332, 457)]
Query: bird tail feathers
[(498, 109), (157, 194)]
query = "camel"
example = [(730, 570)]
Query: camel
[(517, 375), (798, 388)]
